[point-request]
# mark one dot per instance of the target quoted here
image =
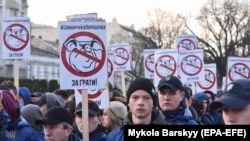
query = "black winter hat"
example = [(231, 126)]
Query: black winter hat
[(142, 84)]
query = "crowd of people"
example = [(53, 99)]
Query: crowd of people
[(37, 116)]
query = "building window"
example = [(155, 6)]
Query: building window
[(38, 72)]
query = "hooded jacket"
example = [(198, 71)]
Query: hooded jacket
[(31, 113), (209, 117), (24, 92), (22, 131)]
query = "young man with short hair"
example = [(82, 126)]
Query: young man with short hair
[(172, 101), (142, 104)]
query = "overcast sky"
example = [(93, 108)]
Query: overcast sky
[(127, 12)]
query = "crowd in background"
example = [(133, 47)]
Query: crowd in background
[(37, 116)]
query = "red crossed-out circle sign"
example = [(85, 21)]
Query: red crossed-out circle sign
[(110, 68), (100, 62), (93, 95), (191, 65), (149, 62), (122, 56), (186, 44), (209, 81), (16, 32), (239, 71), (165, 65)]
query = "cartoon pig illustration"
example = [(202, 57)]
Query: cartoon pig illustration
[(84, 55), (15, 37)]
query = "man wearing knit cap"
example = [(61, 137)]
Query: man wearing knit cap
[(57, 123), (31, 113), (142, 103), (113, 116), (172, 101)]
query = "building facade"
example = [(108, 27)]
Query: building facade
[(11, 8), (44, 57), (44, 60)]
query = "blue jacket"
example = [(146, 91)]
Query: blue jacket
[(4, 134), (180, 116), (116, 135), (22, 131), (98, 135), (74, 137), (212, 118)]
